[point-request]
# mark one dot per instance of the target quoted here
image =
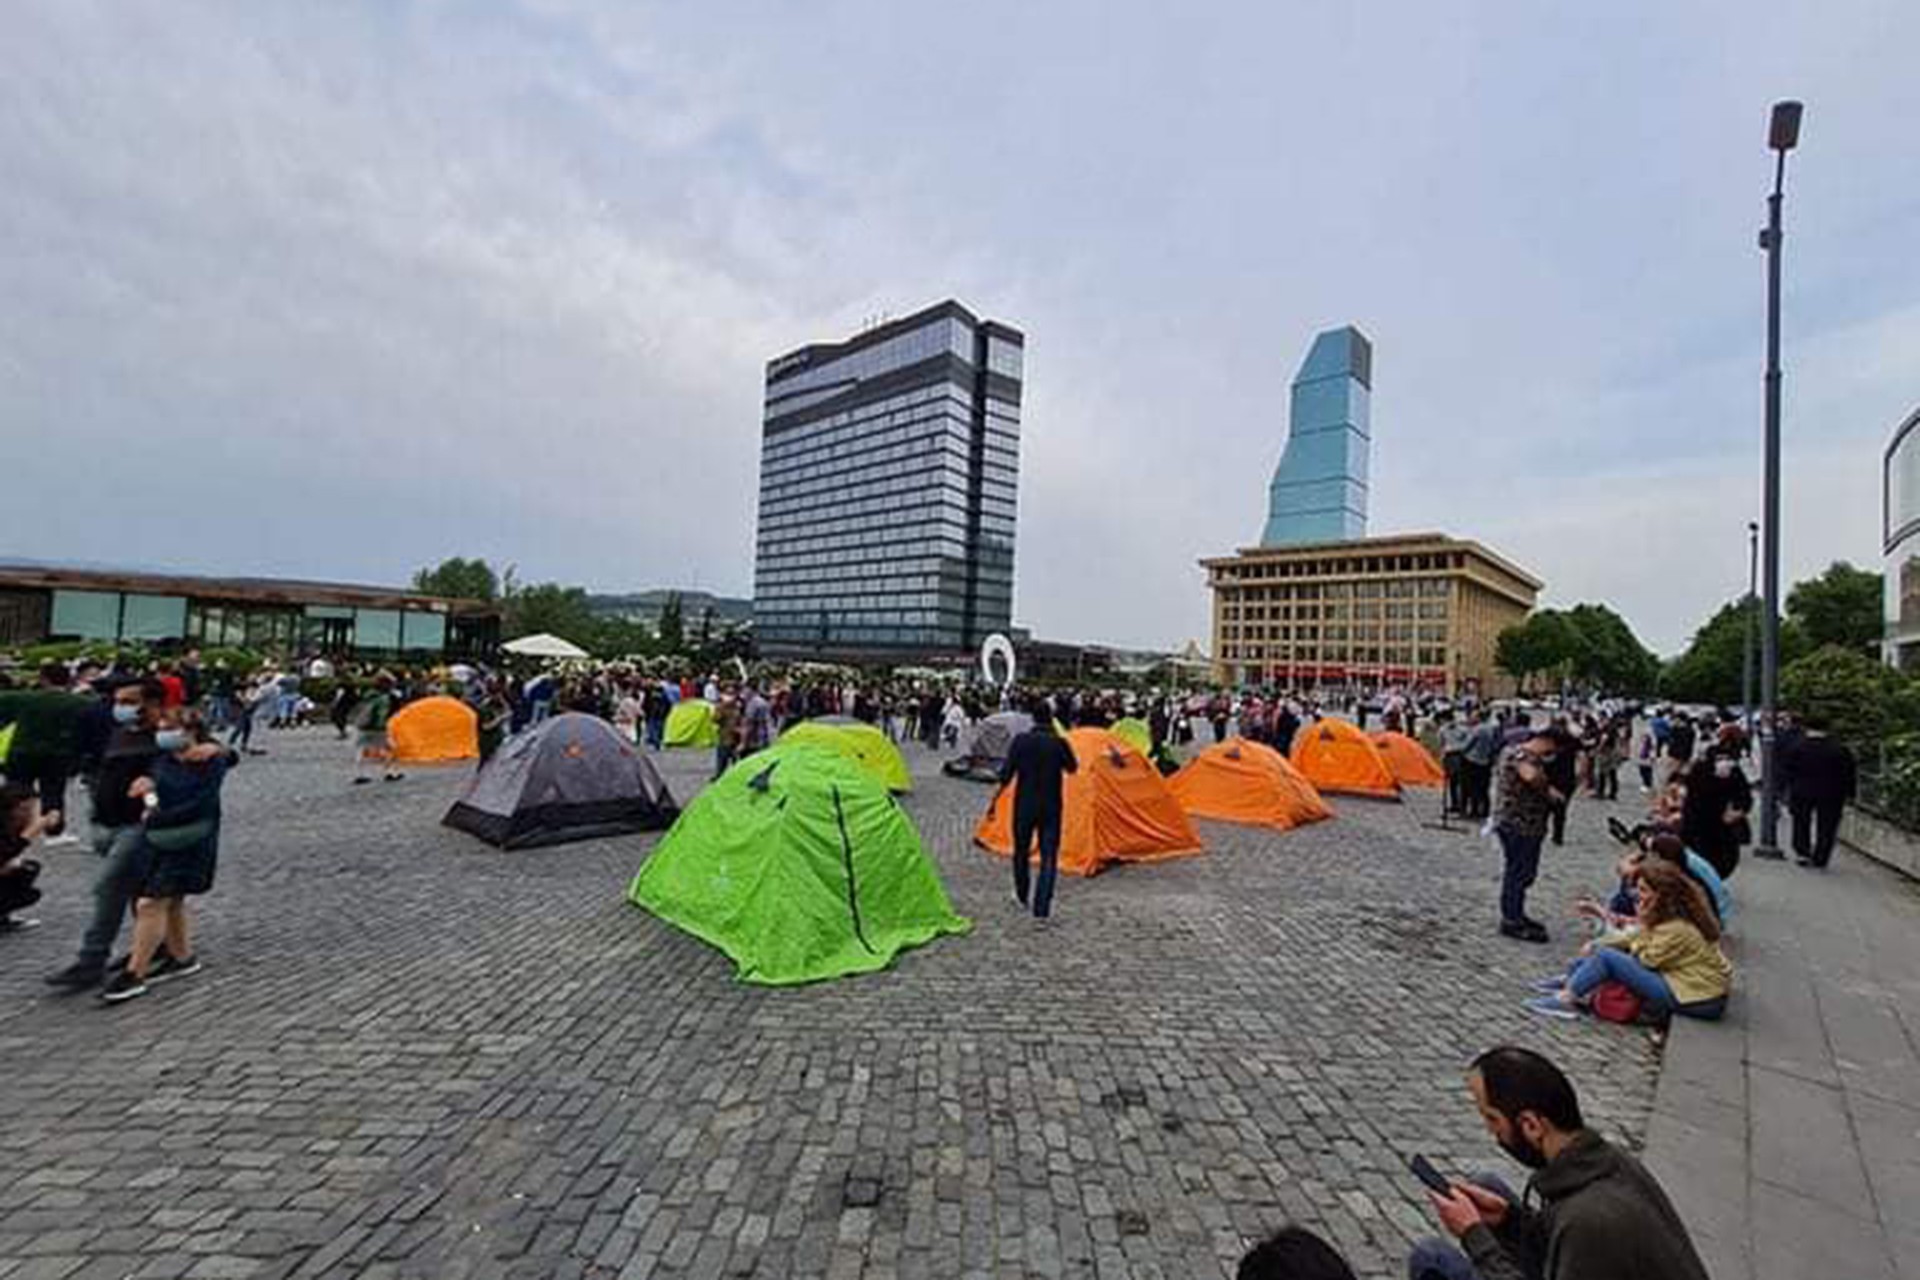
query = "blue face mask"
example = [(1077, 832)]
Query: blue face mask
[(171, 739), (125, 713)]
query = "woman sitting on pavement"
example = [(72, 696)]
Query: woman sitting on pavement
[(1672, 962), (1619, 911), (182, 832)]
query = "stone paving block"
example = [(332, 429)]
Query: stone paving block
[(1802, 1143), (1794, 1237)]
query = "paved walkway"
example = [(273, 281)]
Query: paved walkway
[(1789, 1135), (411, 1056)]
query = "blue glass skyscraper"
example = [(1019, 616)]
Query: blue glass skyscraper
[(1319, 490)]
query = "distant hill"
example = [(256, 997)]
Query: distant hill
[(645, 606)]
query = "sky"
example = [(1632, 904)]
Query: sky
[(338, 290)]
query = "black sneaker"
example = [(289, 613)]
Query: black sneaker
[(122, 986), (1513, 929), (1536, 932), (165, 968), (76, 977)]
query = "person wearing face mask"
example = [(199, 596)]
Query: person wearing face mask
[(127, 758), (1590, 1212), (181, 830), (1713, 820)]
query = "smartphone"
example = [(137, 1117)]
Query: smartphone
[(1423, 1169)]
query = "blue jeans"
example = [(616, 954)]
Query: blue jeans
[(118, 884), (1608, 965), (1025, 827), (1437, 1259), (1522, 854)]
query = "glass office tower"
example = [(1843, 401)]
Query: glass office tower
[(889, 468), (1319, 490)]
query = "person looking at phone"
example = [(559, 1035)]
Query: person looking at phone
[(1527, 798), (1590, 1211)]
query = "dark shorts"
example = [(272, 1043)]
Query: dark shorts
[(181, 873)]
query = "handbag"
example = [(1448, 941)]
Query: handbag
[(185, 836), (1615, 1002)]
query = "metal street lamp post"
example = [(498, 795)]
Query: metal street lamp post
[(1753, 617), (1783, 134)]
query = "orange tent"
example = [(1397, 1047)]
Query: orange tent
[(1242, 781), (1336, 756), (1412, 764), (1117, 808), (434, 730)]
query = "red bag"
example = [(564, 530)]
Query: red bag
[(1615, 1002)]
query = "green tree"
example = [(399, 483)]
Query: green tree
[(1710, 669), (459, 578), (1841, 607), (1862, 700), (548, 607), (1608, 656), (1546, 643), (673, 626)]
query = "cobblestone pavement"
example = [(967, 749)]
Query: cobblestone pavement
[(410, 1055)]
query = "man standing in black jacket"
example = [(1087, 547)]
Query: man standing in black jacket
[(1591, 1212), (1821, 777), (117, 835), (1036, 762)]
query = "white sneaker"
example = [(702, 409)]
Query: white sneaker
[(61, 841)]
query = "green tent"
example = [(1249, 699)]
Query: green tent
[(863, 744), (1134, 733), (691, 724), (800, 867)]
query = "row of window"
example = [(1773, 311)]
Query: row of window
[(1392, 631), (130, 616), (1341, 612), (1369, 655), (1341, 566), (941, 336)]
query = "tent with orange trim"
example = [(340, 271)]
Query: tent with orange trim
[(1250, 782), (1116, 808), (1412, 764), (1336, 756), (434, 731)]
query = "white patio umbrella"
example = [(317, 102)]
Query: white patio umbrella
[(544, 646)]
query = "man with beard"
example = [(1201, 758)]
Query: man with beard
[(1600, 1214)]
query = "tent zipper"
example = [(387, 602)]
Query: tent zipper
[(853, 888)]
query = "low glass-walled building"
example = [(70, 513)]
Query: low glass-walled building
[(39, 604)]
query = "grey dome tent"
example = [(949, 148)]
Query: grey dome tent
[(572, 777), (986, 747)]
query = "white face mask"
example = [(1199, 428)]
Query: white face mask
[(1723, 768)]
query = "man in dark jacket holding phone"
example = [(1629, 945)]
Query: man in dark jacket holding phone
[(1591, 1212), (1036, 762)]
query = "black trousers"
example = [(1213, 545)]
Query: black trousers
[(1559, 822), (1479, 789), (1816, 825), (1045, 825)]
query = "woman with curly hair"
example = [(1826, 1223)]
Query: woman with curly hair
[(1671, 960)]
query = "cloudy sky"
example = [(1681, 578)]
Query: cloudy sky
[(339, 289)]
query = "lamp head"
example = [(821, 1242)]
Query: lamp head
[(1783, 134)]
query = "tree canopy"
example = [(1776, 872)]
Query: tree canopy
[(1842, 607), (1589, 644), (459, 578)]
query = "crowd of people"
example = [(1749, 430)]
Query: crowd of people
[(152, 748)]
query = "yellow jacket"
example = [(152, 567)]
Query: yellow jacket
[(1695, 968)]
